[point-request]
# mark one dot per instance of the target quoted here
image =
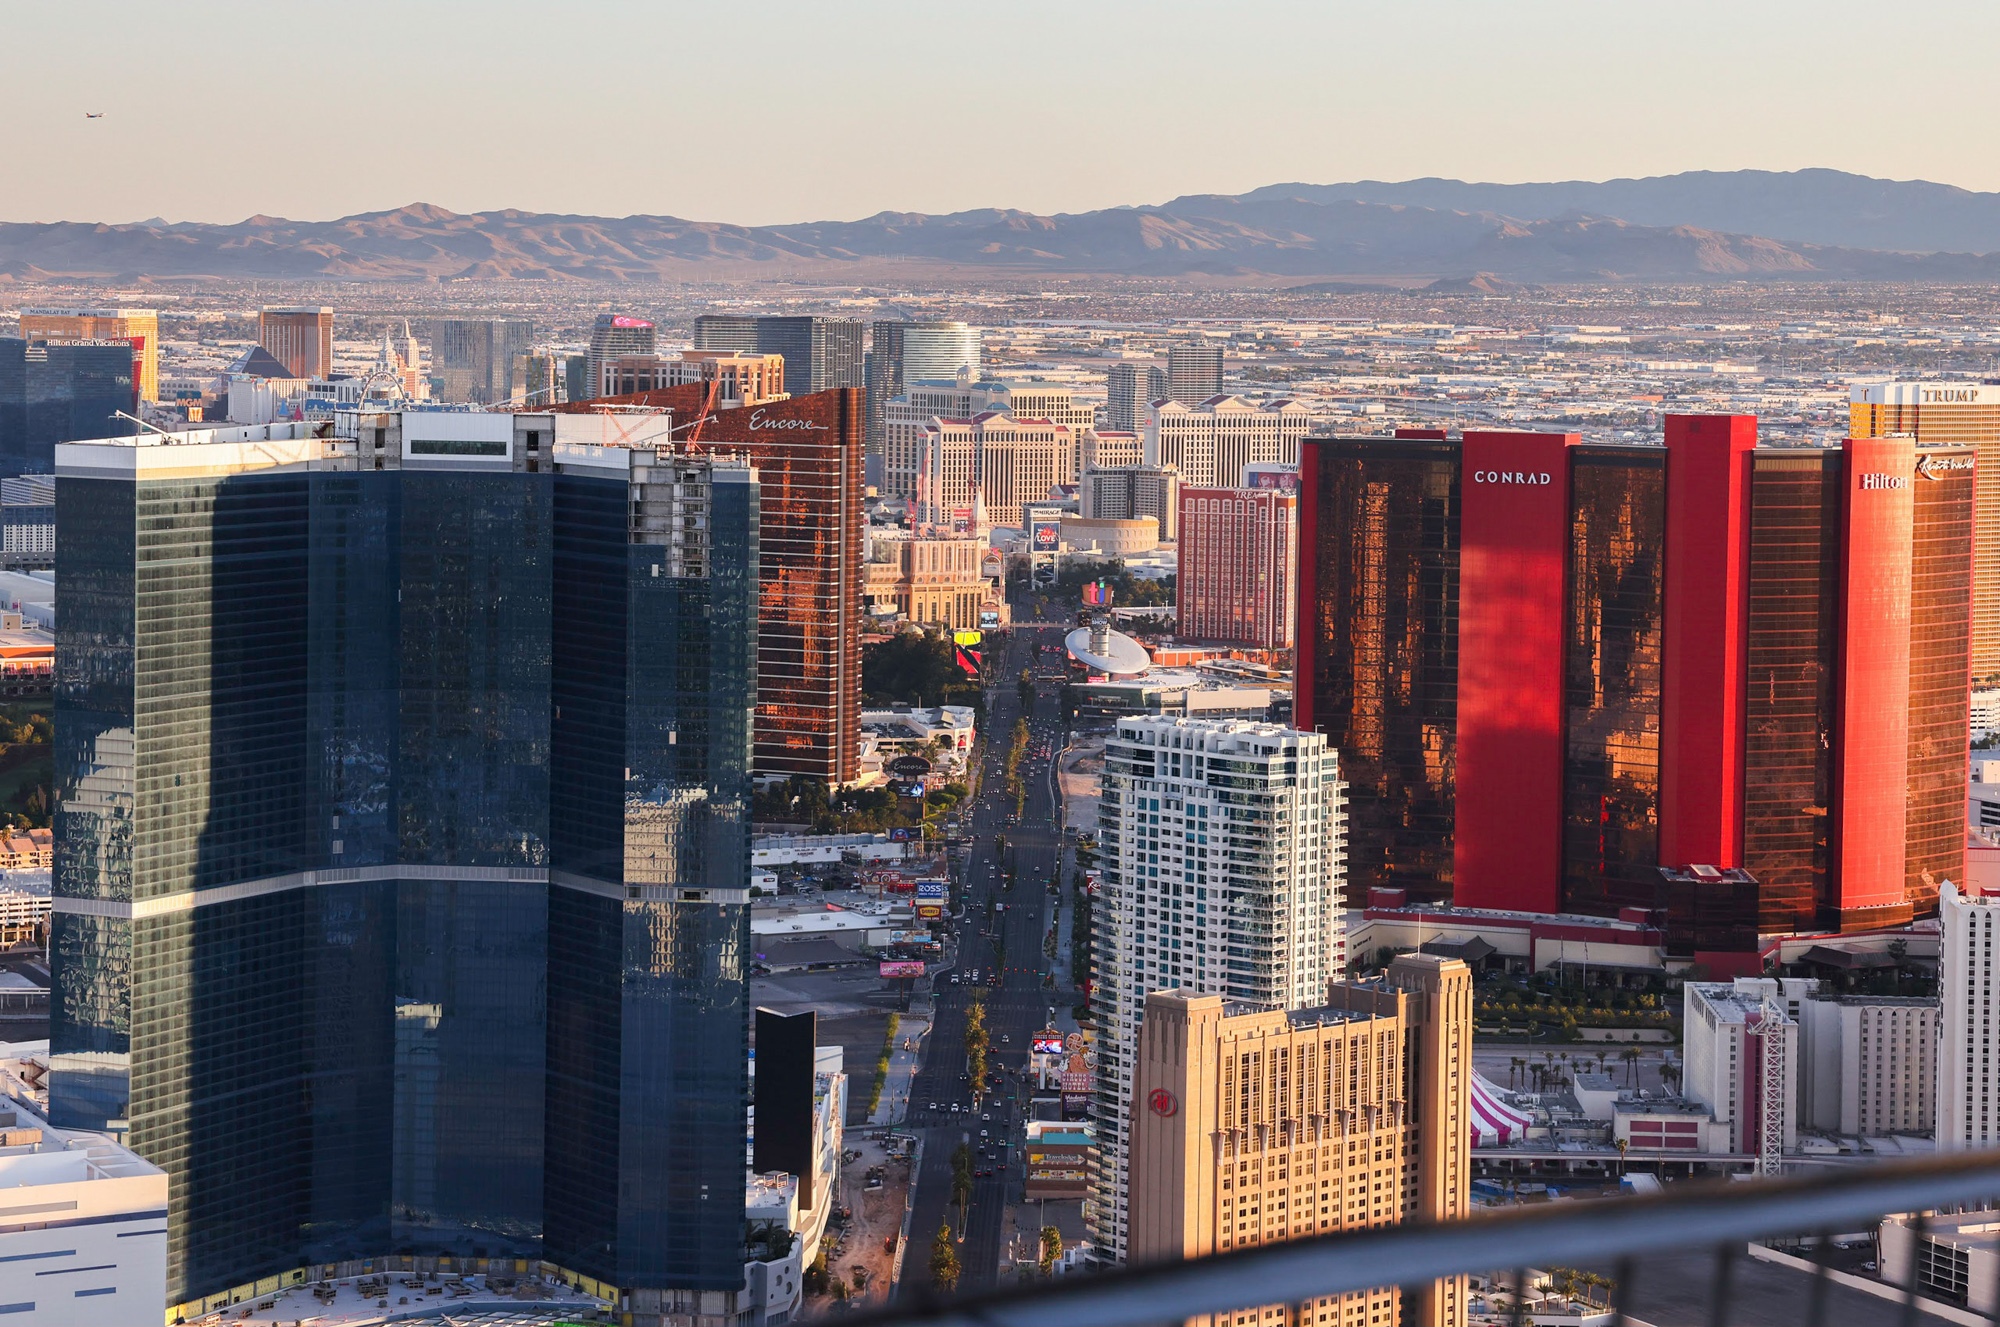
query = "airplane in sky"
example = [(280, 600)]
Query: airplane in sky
[(93, 115)]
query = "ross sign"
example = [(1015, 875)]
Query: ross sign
[(903, 967), (930, 889), (1047, 536), (913, 767), (1162, 1102)]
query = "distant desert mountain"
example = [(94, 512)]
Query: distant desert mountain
[(1417, 231), (1827, 207)]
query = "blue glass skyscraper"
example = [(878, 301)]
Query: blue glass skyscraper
[(401, 896), (59, 391)]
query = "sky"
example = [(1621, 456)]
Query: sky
[(784, 110)]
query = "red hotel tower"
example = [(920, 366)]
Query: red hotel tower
[(1554, 668), (1239, 566)]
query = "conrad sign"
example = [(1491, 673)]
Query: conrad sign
[(1511, 477)]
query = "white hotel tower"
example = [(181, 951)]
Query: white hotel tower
[(1222, 850), (1968, 1113)]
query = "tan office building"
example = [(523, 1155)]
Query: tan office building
[(1253, 1126), (1008, 461), (743, 379), (141, 327), (1962, 412), (1211, 443), (932, 581), (298, 336)]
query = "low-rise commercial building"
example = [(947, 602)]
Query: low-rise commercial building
[(87, 1240), (1059, 1156)]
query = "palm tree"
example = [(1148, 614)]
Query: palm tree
[(1631, 1057), (1602, 1055), (1623, 1143)]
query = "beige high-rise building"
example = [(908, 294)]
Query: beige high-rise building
[(298, 336), (1941, 412), (905, 418), (1131, 492), (931, 580), (1211, 443), (745, 379), (141, 327), (1102, 449), (1256, 1126), (1008, 461)]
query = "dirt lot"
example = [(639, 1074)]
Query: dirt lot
[(878, 1215)]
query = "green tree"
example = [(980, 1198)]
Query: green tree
[(1052, 1247), (976, 1042), (944, 1260), (914, 667)]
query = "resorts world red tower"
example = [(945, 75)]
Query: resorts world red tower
[(1551, 668)]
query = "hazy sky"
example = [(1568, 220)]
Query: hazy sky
[(782, 110)]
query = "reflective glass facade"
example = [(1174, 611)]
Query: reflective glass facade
[(1384, 667), (53, 392), (404, 826), (1611, 678), (1794, 591), (1941, 603)]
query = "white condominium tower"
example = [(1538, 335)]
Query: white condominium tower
[(1222, 850), (1968, 1115)]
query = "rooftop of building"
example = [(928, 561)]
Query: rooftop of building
[(1153, 724), (1451, 915)]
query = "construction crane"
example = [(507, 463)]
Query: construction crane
[(707, 405)]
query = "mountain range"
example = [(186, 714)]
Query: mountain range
[(1699, 225)]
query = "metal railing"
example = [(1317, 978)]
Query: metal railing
[(1722, 1217)]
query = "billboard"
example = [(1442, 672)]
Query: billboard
[(1046, 536), (930, 889), (910, 767), (1269, 474), (900, 834), (912, 938), (1045, 1044), (930, 912), (989, 618), (961, 520), (902, 967), (626, 320), (966, 638)]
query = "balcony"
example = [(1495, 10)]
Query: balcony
[(1714, 1223)]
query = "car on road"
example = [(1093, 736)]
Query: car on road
[(982, 1134), (986, 1115)]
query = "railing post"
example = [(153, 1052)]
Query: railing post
[(1725, 1267)]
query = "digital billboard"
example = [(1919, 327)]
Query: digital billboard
[(1047, 536), (989, 618), (930, 912), (1048, 1045), (902, 967)]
